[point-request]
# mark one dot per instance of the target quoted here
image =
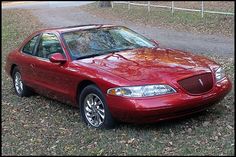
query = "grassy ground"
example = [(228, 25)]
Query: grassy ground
[(40, 126), (159, 17)]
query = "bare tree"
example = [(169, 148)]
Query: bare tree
[(104, 4)]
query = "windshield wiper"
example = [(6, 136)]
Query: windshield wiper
[(118, 50), (88, 56), (108, 52), (125, 49)]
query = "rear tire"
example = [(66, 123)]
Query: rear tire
[(20, 88), (93, 108)]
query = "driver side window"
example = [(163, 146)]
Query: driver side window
[(49, 44)]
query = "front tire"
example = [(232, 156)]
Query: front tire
[(20, 88), (93, 108)]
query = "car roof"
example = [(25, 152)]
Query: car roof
[(76, 27)]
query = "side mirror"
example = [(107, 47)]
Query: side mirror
[(57, 58)]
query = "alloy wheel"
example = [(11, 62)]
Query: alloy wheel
[(18, 83), (94, 110)]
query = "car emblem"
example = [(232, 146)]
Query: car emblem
[(200, 82)]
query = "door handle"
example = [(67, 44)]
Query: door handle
[(32, 65)]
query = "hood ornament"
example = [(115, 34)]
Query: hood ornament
[(201, 82)]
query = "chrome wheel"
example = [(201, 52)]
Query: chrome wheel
[(18, 83), (94, 110)]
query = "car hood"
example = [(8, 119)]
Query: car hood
[(150, 64)]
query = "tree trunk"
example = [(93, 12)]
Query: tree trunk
[(103, 4)]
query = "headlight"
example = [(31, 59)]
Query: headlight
[(141, 91), (220, 74)]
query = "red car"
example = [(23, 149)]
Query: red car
[(113, 73)]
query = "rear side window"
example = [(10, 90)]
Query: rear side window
[(29, 47)]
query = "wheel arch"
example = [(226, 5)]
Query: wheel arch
[(12, 69), (81, 86)]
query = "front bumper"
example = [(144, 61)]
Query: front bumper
[(153, 109)]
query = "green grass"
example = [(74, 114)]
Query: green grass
[(159, 17), (41, 126)]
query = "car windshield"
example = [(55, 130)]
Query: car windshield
[(99, 41)]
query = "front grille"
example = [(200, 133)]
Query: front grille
[(197, 84)]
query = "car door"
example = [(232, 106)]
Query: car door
[(52, 78)]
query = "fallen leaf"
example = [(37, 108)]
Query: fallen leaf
[(206, 124)]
